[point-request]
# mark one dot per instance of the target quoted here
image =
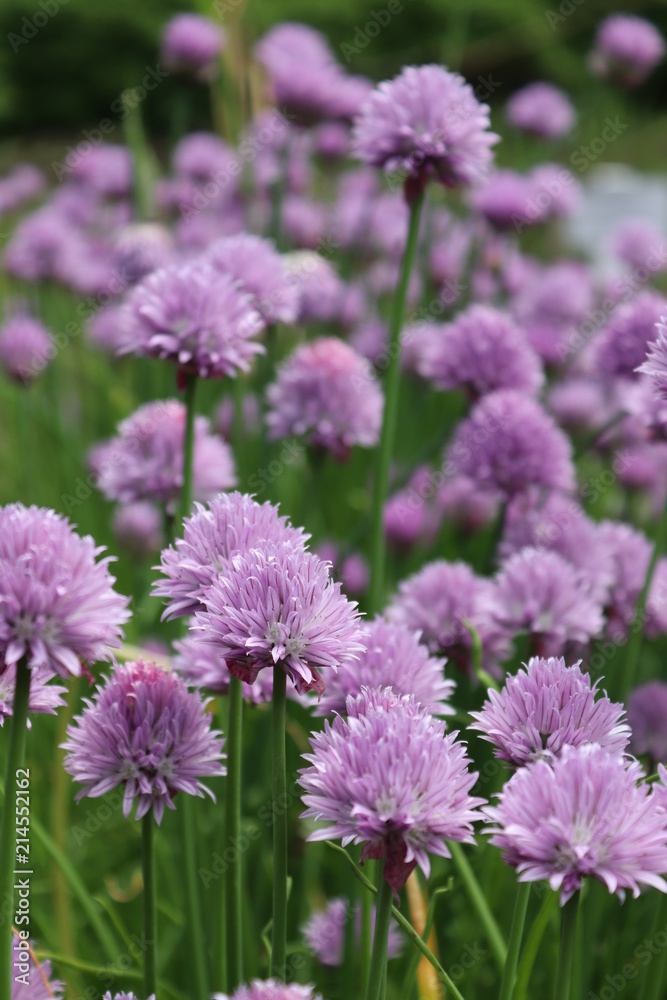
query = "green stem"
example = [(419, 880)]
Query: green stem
[(365, 942), (233, 917), (279, 926), (194, 914), (568, 937), (655, 976), (15, 761), (392, 385), (532, 945), (376, 974), (188, 445), (480, 905), (516, 934), (637, 631), (405, 924), (149, 904)]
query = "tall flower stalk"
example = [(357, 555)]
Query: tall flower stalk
[(279, 926), (392, 386), (188, 822), (378, 969), (233, 885), (149, 904), (568, 938)]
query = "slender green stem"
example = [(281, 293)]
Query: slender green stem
[(365, 942), (637, 631), (15, 761), (568, 937), (405, 924), (377, 971), (149, 904), (478, 900), (187, 806), (194, 914), (233, 918), (516, 934), (279, 926), (188, 445), (392, 385), (655, 974), (537, 928), (351, 972)]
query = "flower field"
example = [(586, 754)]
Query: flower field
[(333, 517)]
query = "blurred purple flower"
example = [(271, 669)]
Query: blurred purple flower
[(192, 43), (44, 697), (621, 346), (393, 658), (26, 348), (325, 932), (270, 989), (647, 715), (541, 109), (195, 316), (328, 394), (36, 982), (258, 267), (426, 123), (509, 443), (145, 460), (480, 351), (137, 527), (201, 665), (626, 49)]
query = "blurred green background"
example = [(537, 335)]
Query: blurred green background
[(63, 62)]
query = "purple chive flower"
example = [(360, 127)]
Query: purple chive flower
[(319, 286), (231, 525), (143, 730), (393, 658), (138, 528), (630, 552), (505, 201), (26, 347), (355, 574), (410, 516), (621, 347), (140, 248), (276, 605), (426, 123), (655, 365), (37, 244), (387, 777), (270, 989), (192, 43), (542, 110), (106, 170), (107, 328), (626, 49), (509, 443), (258, 267), (327, 393), (305, 221), (481, 350), (556, 523), (203, 156), (582, 815), (640, 244), (541, 594), (556, 192), (332, 140), (201, 666), (579, 403), (304, 77), (325, 932), (45, 698), (36, 982), (647, 715), (548, 706), (195, 316), (57, 602), (23, 184), (461, 503), (145, 461), (555, 299), (437, 602)]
